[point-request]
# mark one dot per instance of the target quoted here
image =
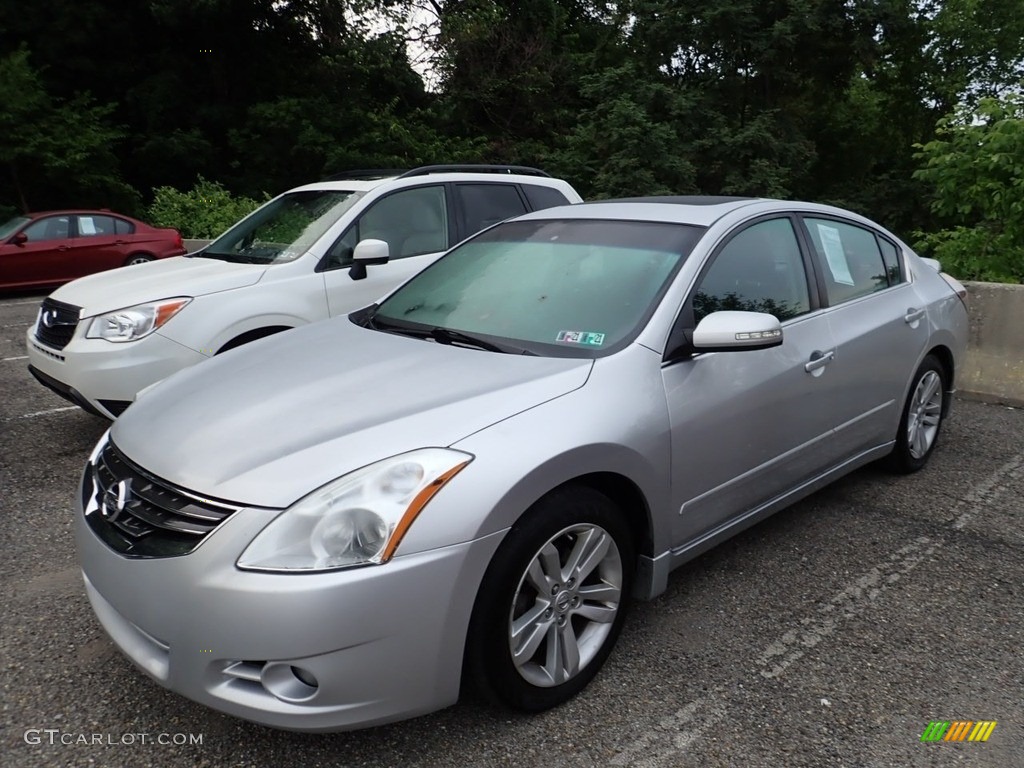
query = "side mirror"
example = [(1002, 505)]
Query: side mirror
[(19, 239), (367, 252), (736, 331)]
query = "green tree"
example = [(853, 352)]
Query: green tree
[(975, 166), (57, 151), (627, 142)]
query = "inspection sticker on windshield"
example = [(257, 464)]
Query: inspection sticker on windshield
[(581, 337)]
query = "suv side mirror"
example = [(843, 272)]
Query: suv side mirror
[(19, 239), (367, 252), (732, 331)]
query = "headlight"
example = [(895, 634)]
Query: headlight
[(358, 519), (135, 322)]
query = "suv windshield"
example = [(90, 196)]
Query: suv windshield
[(283, 229), (579, 288)]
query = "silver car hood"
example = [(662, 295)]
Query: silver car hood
[(267, 423), (155, 280)]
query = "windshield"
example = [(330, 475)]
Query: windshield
[(283, 229), (12, 226), (578, 288)]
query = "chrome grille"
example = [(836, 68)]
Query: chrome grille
[(57, 323), (140, 515)]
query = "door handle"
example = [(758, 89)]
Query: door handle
[(913, 315), (63, 248), (819, 359)]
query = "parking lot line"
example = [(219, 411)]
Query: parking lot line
[(8, 359), (43, 413), (668, 742), (17, 303)]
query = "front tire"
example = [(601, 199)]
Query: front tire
[(553, 601), (921, 421)]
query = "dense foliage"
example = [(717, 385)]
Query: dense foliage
[(976, 166), (839, 101), (203, 212)]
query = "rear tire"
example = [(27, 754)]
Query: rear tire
[(137, 258), (921, 421), (553, 601)]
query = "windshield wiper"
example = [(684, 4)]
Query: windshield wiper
[(438, 333), (448, 336)]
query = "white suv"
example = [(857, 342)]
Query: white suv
[(100, 340)]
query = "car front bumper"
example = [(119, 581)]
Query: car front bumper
[(104, 377), (378, 643)]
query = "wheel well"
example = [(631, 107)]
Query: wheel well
[(135, 254), (945, 358), (257, 333), (627, 497)]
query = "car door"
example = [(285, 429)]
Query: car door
[(747, 426), (45, 257), (878, 323), (414, 222), (95, 246)]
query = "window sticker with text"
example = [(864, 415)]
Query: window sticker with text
[(832, 244)]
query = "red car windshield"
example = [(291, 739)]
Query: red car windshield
[(12, 226)]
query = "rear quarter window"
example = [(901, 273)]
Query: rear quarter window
[(486, 204), (543, 197)]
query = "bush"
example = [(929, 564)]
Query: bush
[(204, 212), (975, 166)]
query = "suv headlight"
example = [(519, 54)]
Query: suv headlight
[(134, 323), (358, 519)]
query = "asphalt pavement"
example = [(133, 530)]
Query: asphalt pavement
[(830, 635)]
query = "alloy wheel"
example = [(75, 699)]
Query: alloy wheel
[(565, 605)]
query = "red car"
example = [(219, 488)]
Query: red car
[(39, 250)]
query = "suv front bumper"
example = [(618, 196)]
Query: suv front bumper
[(103, 377)]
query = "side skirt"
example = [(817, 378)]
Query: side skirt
[(652, 572)]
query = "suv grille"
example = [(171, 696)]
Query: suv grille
[(139, 515), (57, 323)]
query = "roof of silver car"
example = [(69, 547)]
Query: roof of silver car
[(700, 211), (680, 199)]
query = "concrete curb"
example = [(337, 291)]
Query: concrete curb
[(994, 368), (194, 245)]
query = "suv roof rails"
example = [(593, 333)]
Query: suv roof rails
[(366, 173), (522, 170)]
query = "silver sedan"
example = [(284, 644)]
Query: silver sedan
[(467, 482)]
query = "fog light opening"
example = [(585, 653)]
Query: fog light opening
[(289, 683), (305, 677)]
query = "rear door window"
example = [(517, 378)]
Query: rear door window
[(95, 226), (850, 259)]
